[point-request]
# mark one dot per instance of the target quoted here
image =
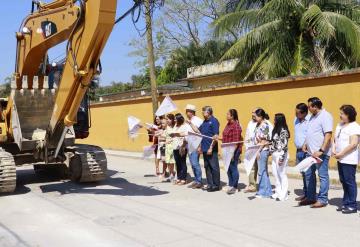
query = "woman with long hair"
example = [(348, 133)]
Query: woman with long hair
[(153, 138), (231, 134), (169, 150), (263, 138), (280, 156), (179, 145)]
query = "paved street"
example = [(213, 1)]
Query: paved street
[(133, 208)]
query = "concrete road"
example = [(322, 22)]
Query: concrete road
[(133, 208)]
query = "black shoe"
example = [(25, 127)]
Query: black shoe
[(213, 189), (340, 209), (349, 211)]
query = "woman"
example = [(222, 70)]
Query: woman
[(280, 156), (179, 145), (232, 133), (169, 151), (345, 150), (153, 138), (262, 138), (162, 145)]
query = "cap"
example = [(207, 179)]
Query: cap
[(190, 107)]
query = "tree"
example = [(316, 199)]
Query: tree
[(283, 37), (179, 23), (5, 88), (192, 55)]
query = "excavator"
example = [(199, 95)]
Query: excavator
[(41, 119)]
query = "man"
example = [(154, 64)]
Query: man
[(317, 144), (193, 123), (301, 123), (209, 149), (249, 141)]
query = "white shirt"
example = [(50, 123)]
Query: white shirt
[(250, 132), (318, 126), (195, 121), (178, 141), (342, 140)]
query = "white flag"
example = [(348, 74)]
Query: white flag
[(148, 151), (133, 123), (304, 165), (134, 126), (228, 152), (250, 157), (152, 126), (193, 143), (166, 107)]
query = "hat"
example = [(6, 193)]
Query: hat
[(190, 107)]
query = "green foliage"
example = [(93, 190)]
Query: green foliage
[(183, 58), (5, 88), (283, 37)]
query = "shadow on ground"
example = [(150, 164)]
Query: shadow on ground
[(114, 186), (55, 183)]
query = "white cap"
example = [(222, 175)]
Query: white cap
[(190, 107)]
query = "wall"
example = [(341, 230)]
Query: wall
[(110, 119)]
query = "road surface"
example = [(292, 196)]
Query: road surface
[(133, 208)]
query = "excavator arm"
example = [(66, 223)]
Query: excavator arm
[(86, 25)]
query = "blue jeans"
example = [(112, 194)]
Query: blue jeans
[(233, 172), (264, 189), (195, 165), (323, 172), (347, 174), (300, 156)]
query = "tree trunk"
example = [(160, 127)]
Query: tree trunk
[(150, 55)]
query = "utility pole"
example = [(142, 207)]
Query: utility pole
[(150, 54)]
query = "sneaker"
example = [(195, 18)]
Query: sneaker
[(349, 211), (274, 196), (231, 191), (282, 199), (259, 196)]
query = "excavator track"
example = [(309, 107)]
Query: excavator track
[(7, 172), (88, 164)]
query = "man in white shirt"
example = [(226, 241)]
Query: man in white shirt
[(193, 123), (249, 141), (318, 143)]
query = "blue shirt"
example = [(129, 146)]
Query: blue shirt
[(300, 131), (209, 127)]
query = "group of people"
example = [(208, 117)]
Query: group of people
[(313, 137)]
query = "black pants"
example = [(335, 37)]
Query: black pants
[(212, 169), (181, 167)]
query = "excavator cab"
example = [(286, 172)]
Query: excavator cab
[(3, 125)]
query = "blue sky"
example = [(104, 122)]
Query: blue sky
[(117, 65)]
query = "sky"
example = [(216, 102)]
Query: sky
[(117, 65)]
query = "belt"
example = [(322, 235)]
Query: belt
[(299, 150)]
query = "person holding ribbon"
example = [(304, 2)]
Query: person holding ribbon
[(232, 136)]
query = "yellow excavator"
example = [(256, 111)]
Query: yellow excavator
[(41, 119)]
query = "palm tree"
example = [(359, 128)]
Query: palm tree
[(292, 37)]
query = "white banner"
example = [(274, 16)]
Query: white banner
[(148, 151), (193, 143), (167, 106), (250, 157), (304, 165), (228, 152)]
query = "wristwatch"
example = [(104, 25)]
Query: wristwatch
[(320, 150)]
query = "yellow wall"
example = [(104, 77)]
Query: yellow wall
[(110, 119), (215, 80)]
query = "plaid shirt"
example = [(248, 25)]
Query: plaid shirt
[(232, 133)]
